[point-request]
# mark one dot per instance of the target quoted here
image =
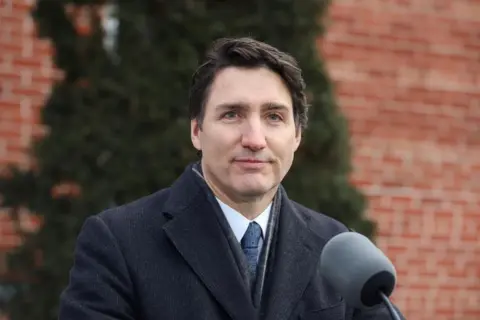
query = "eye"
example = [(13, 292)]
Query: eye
[(230, 115), (275, 117)]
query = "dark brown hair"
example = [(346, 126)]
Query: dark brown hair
[(248, 53)]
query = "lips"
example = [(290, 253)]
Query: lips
[(250, 161), (250, 164)]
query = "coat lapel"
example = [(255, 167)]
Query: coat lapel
[(294, 261), (196, 233)]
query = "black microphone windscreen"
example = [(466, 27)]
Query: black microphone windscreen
[(357, 269)]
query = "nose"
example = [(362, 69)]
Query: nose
[(253, 136)]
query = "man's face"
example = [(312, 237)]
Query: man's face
[(248, 136)]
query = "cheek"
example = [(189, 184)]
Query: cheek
[(218, 143), (283, 147), (287, 161), (284, 151)]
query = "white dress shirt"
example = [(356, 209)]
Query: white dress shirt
[(239, 223)]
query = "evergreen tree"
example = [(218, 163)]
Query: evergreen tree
[(118, 125)]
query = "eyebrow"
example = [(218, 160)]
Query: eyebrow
[(243, 105), (275, 106)]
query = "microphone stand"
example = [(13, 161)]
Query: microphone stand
[(389, 306)]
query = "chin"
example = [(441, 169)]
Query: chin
[(253, 191)]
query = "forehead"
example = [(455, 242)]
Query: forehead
[(253, 87)]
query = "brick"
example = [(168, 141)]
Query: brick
[(10, 112), (21, 5), (37, 91), (29, 62)]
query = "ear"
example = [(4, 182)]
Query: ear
[(298, 139), (195, 134)]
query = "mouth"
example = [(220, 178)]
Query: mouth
[(250, 160), (250, 164)]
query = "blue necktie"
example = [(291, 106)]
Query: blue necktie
[(250, 246)]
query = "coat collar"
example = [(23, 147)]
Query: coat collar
[(199, 238), (293, 262)]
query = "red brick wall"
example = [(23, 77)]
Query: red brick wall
[(25, 79), (407, 76)]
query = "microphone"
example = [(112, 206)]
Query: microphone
[(359, 271)]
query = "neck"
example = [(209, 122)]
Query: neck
[(249, 206), (249, 209)]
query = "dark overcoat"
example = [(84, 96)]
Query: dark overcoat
[(166, 257)]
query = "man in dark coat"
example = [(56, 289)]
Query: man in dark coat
[(224, 241)]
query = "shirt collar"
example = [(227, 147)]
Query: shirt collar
[(239, 223)]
